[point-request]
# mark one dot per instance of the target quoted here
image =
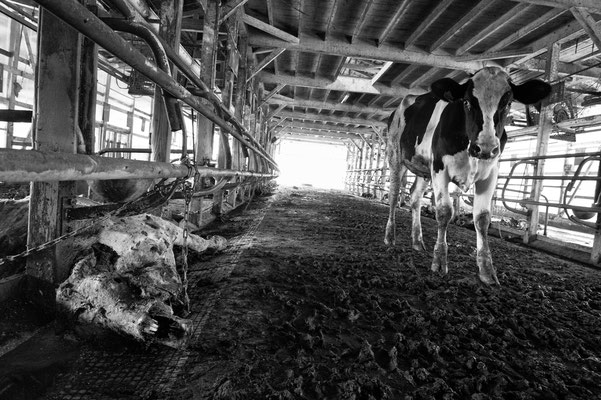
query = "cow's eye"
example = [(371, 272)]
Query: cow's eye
[(467, 104)]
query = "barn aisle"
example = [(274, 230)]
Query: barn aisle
[(308, 303)]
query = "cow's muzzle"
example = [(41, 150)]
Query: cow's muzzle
[(484, 152)]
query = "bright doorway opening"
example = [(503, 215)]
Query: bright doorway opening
[(321, 165)]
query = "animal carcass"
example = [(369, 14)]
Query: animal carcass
[(127, 281)]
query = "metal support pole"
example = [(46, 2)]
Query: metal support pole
[(544, 132)]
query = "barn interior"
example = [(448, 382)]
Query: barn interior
[(235, 150)]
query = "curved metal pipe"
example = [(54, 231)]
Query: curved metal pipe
[(569, 188), (160, 55), (186, 69), (515, 210)]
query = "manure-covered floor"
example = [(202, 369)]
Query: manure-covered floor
[(308, 303)]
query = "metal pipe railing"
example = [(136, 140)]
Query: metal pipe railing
[(160, 56), (84, 21), (551, 156), (186, 67), (38, 166)]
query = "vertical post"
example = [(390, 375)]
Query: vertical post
[(16, 32), (204, 144), (347, 176), (56, 121), (203, 151), (231, 71), (240, 99), (371, 173), (596, 250), (87, 96), (378, 173), (170, 22), (544, 132)]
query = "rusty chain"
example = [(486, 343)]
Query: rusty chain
[(188, 190)]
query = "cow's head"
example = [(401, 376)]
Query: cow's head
[(486, 99)]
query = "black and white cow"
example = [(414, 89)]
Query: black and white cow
[(455, 133)]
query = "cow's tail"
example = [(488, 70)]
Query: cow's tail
[(394, 156)]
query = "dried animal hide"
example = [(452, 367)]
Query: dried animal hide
[(127, 280)]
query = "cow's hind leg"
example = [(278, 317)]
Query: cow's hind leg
[(444, 213), (419, 187), (397, 170), (482, 201)]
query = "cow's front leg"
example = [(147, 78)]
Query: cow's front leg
[(484, 191), (444, 213), (419, 187)]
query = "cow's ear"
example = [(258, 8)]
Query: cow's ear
[(531, 92), (448, 90)]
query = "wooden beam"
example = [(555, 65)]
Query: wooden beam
[(279, 130), (202, 4), (16, 33), (428, 21), (331, 118), (338, 135), (567, 32), (382, 71), (404, 74), (170, 15), (431, 73), (394, 21), (526, 29), (319, 140), (461, 24), (343, 84), (329, 127), (270, 11), (231, 9), (563, 68), (588, 23), (340, 46), (331, 14), (593, 5), (496, 55), (265, 62), (328, 105), (262, 26), (492, 27), (364, 11), (388, 103), (57, 87), (205, 128), (275, 91), (275, 112)]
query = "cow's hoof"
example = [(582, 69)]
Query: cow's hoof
[(389, 238), (486, 269), (439, 259), (439, 265), (489, 279), (442, 269), (419, 246)]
